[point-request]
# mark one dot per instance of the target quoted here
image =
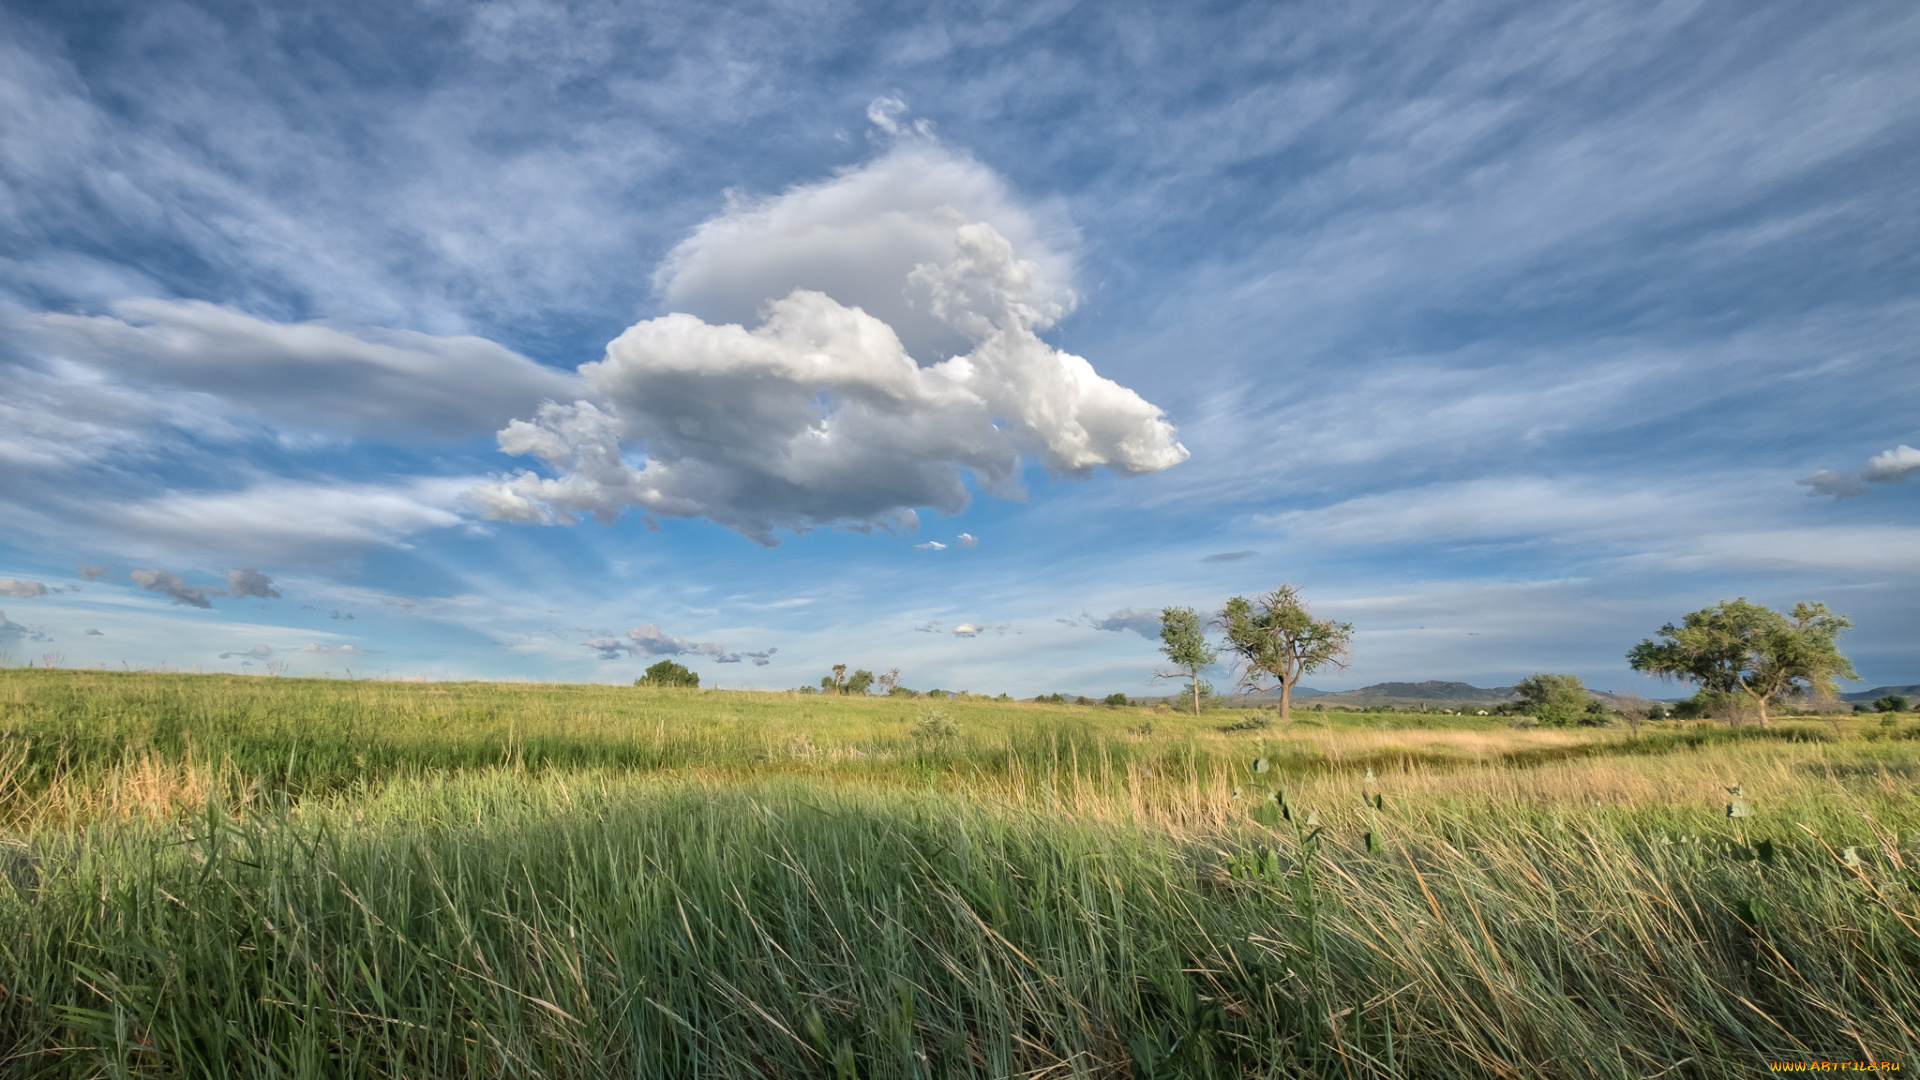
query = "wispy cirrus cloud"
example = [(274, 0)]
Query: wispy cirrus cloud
[(393, 385)]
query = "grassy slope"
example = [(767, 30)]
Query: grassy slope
[(258, 877)]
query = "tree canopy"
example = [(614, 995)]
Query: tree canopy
[(1278, 639), (1184, 642), (668, 673), (1749, 655), (1553, 699)]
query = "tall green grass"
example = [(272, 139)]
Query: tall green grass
[(668, 886), (588, 925)]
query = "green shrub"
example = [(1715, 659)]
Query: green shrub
[(934, 728), (668, 673)]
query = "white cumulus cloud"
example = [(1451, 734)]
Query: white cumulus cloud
[(858, 237), (820, 416), (23, 589), (1890, 467), (1893, 466)]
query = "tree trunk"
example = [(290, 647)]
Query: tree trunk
[(1286, 701), (1196, 692)]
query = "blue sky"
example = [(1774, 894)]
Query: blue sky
[(527, 340)]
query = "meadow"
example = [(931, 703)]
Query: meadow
[(227, 876)]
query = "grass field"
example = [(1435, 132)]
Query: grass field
[(221, 876)]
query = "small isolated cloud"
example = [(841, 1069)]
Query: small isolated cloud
[(968, 629), (23, 589), (760, 659), (95, 633), (258, 652), (931, 545), (1230, 556), (348, 649), (1139, 620), (168, 583), (11, 631), (251, 582), (843, 407), (1840, 485), (650, 640), (969, 540), (348, 616), (932, 627), (1892, 467), (92, 573)]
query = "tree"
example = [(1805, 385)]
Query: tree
[(841, 683), (1185, 643), (1552, 699), (1278, 639), (1119, 700), (1750, 655), (890, 681), (668, 673), (1890, 704)]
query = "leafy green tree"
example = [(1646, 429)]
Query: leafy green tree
[(1891, 703), (1552, 699), (1185, 643), (668, 673), (859, 683), (1278, 639), (835, 683), (1117, 700), (1751, 655)]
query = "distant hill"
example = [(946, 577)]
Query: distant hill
[(1909, 692), (1432, 692)]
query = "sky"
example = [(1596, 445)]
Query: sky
[(524, 340)]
